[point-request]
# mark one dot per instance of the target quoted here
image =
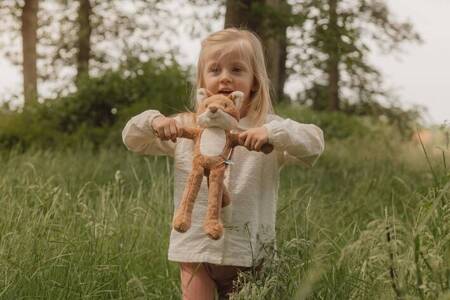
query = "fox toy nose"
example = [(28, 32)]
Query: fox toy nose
[(213, 109)]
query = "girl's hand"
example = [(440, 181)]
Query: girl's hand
[(165, 128), (254, 138)]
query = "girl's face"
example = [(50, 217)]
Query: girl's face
[(227, 74)]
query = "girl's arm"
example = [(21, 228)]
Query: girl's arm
[(296, 141), (138, 136), (236, 141)]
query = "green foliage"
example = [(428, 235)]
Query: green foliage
[(27, 128), (335, 125), (364, 224), (357, 121), (79, 224), (338, 36), (409, 254), (405, 120), (71, 232), (98, 110), (127, 30)]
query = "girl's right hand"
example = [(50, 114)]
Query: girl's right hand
[(165, 128)]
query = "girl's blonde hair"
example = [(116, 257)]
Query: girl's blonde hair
[(249, 48)]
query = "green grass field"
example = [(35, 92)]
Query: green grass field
[(371, 220)]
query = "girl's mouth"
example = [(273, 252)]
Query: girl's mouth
[(225, 92)]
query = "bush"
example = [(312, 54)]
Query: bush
[(335, 125), (98, 110)]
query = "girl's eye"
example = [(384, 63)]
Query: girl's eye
[(237, 69), (213, 69)]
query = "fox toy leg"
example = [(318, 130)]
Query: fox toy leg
[(212, 225), (225, 194), (182, 219), (226, 200)]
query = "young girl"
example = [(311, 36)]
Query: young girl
[(230, 60)]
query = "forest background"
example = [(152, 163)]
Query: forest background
[(370, 221)]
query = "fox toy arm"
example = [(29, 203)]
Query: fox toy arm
[(189, 132), (234, 137)]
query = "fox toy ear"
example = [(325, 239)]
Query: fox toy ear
[(202, 94), (237, 97)]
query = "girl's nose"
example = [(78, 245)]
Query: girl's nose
[(225, 77)]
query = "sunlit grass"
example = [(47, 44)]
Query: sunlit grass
[(369, 221), (76, 225), (370, 224)]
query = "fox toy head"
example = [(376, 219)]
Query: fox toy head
[(218, 110)]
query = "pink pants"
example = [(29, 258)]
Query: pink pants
[(199, 281)]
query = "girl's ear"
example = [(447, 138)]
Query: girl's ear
[(202, 94), (237, 97)]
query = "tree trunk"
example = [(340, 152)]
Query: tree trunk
[(241, 13), (29, 41), (275, 39), (333, 86), (84, 38), (333, 58)]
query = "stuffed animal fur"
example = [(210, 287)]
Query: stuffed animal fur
[(213, 140)]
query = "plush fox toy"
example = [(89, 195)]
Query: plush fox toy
[(213, 140)]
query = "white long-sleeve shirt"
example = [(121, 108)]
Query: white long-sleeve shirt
[(252, 181)]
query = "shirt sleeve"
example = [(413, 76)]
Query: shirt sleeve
[(138, 136), (297, 142)]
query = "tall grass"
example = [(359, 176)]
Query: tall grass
[(369, 221), (85, 225)]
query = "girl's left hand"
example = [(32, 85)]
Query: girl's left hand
[(254, 138)]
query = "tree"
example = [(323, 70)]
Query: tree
[(103, 35), (333, 46), (29, 40), (84, 37), (333, 57), (87, 36), (269, 19)]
